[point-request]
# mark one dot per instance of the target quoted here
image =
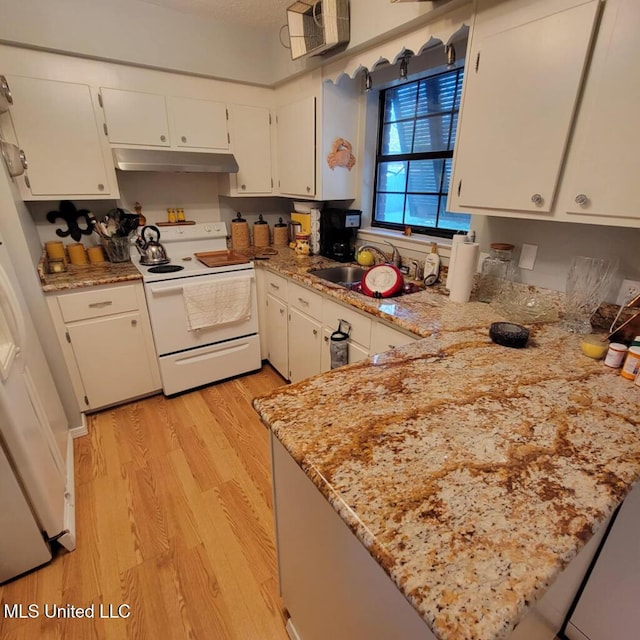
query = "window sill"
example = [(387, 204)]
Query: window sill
[(416, 242)]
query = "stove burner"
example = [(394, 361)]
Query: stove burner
[(166, 268)]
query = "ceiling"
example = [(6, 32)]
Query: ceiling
[(254, 13)]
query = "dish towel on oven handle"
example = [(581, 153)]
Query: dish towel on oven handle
[(215, 303)]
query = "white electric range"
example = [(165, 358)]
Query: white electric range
[(188, 357)]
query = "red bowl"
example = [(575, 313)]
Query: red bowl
[(382, 281)]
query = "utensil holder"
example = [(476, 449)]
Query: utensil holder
[(118, 248)]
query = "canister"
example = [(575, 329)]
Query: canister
[(280, 234), (631, 365), (261, 234), (55, 249), (77, 253), (95, 254), (239, 233)]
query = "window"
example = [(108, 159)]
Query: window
[(415, 149)]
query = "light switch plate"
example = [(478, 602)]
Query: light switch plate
[(528, 255), (628, 289)]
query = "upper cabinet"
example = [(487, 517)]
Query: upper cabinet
[(602, 166), (548, 121), (151, 120), (57, 127), (250, 130), (522, 83), (296, 127), (315, 139)]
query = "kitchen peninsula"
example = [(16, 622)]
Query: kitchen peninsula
[(471, 473)]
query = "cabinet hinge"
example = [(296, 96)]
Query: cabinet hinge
[(67, 336), (86, 401), (26, 181), (106, 131), (228, 139), (477, 61), (459, 187), (272, 183), (269, 118), (226, 111), (100, 100)]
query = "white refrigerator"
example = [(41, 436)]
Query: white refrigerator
[(36, 455)]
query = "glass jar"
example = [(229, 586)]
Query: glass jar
[(495, 269)]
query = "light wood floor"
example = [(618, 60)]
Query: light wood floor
[(173, 514)]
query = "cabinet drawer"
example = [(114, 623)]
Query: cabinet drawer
[(276, 285), (306, 301), (96, 303), (384, 338), (332, 313)]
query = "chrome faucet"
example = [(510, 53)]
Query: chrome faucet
[(395, 257), (372, 247)]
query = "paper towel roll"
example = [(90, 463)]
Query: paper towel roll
[(456, 240), (466, 265)]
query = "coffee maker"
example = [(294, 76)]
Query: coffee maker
[(338, 229)]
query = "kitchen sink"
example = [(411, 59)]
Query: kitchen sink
[(345, 275)]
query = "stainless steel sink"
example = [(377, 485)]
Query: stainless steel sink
[(344, 275)]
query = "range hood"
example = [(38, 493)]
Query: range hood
[(169, 161)]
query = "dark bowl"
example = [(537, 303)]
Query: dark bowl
[(509, 334)]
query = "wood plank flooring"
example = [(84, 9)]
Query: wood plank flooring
[(173, 516)]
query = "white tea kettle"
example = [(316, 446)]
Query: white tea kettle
[(150, 250)]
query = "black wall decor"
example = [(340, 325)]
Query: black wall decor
[(71, 215)]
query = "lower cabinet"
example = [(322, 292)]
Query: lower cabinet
[(384, 338), (106, 340), (305, 344)]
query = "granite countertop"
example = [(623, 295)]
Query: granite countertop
[(472, 473), (91, 275)]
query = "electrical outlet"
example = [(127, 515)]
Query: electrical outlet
[(628, 289)]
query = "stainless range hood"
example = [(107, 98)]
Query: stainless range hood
[(169, 161)]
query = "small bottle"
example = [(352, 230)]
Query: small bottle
[(431, 266), (615, 355), (494, 271), (631, 365), (180, 214), (171, 215), (141, 218)]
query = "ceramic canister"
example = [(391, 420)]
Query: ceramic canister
[(261, 235), (280, 234), (239, 233)]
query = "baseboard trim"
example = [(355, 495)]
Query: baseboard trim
[(82, 430)]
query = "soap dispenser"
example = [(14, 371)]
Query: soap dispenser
[(432, 265)]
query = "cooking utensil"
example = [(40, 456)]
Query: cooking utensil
[(382, 281)]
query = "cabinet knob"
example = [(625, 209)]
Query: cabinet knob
[(315, 332), (23, 160), (243, 186), (281, 312), (537, 199), (134, 323), (308, 189), (326, 338), (582, 200), (5, 90), (184, 138), (100, 187), (163, 138)]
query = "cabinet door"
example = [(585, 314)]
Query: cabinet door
[(56, 126), (112, 358), (296, 137), (199, 124), (135, 118), (602, 166), (355, 351), (277, 335), (521, 87), (251, 146), (305, 343)]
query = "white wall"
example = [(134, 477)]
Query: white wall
[(142, 33)]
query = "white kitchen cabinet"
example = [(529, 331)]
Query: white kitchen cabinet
[(602, 166), (305, 332), (107, 343), (296, 131), (608, 605), (359, 337), (56, 126), (135, 118), (153, 120), (522, 82), (384, 338), (198, 124), (250, 129), (261, 296), (277, 325)]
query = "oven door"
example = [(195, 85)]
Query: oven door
[(170, 323)]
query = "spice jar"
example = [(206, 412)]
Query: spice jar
[(631, 365), (239, 233), (615, 355), (261, 233), (494, 271)]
